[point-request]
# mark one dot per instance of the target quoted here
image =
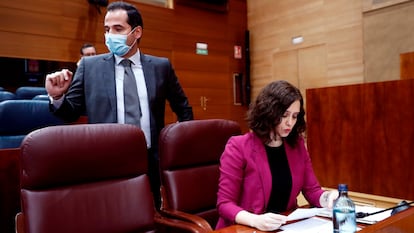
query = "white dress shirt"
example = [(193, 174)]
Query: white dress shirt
[(142, 91)]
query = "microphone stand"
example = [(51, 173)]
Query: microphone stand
[(403, 203)]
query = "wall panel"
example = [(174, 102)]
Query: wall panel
[(359, 134), (407, 65), (388, 32), (335, 24)]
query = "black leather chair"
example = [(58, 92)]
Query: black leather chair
[(189, 154), (87, 179), (20, 117)]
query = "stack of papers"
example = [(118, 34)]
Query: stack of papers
[(310, 225), (313, 224), (302, 213)]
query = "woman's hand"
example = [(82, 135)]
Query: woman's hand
[(327, 198), (269, 221), (263, 222)]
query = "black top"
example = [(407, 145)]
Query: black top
[(281, 179)]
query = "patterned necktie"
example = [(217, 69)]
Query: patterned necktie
[(131, 99)]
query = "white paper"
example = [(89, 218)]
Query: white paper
[(310, 225), (302, 213)]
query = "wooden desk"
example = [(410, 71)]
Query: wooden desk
[(239, 229), (402, 222), (399, 223)]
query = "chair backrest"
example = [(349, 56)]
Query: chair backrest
[(6, 95), (20, 117), (189, 154), (41, 97), (28, 92), (85, 178)]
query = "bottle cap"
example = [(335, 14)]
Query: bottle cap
[(342, 187)]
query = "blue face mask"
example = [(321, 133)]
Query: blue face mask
[(116, 43)]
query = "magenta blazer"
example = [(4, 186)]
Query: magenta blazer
[(246, 181)]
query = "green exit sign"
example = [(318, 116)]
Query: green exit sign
[(202, 51)]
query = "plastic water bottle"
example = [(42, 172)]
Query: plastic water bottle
[(344, 220)]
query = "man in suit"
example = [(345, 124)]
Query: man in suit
[(97, 86), (86, 50)]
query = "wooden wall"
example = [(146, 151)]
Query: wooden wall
[(332, 49), (344, 41), (55, 30), (407, 65), (363, 135), (388, 33)]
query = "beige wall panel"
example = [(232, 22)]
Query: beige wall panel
[(283, 42), (369, 5), (342, 13), (344, 73), (345, 45), (260, 12), (388, 32), (335, 24), (277, 32), (258, 84), (311, 67), (285, 67), (262, 65), (303, 67)]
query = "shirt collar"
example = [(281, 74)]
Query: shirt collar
[(136, 58)]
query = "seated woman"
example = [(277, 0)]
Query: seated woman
[(263, 171)]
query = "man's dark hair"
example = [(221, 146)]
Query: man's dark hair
[(84, 46), (134, 17)]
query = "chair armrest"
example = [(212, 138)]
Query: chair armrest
[(172, 223), (176, 214), (194, 219), (19, 223)]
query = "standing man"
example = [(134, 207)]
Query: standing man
[(86, 50), (98, 85)]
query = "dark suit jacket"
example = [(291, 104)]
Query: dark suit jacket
[(93, 92)]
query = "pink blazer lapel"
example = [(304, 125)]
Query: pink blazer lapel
[(263, 169)]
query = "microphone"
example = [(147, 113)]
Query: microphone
[(403, 205)]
